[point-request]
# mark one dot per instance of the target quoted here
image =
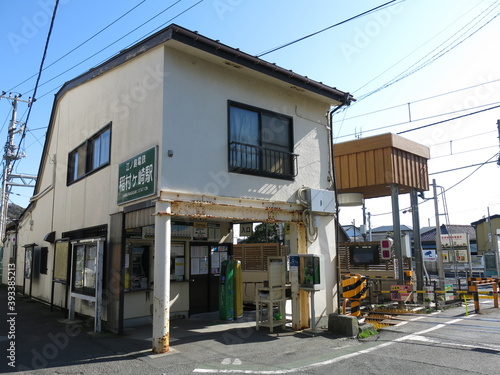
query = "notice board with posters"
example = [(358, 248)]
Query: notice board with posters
[(61, 261)]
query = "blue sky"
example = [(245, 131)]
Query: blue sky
[(452, 45)]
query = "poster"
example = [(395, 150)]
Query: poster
[(203, 266), (195, 266), (61, 261), (28, 262), (200, 231)]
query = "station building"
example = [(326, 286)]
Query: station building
[(150, 160)]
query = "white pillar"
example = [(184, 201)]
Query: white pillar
[(161, 293)]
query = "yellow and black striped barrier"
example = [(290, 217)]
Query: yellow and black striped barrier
[(354, 290), (473, 282)]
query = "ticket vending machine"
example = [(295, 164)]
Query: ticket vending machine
[(309, 269), (311, 272)]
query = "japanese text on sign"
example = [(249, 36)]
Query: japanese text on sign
[(136, 176)]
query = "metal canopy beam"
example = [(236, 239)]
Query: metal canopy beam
[(203, 207)]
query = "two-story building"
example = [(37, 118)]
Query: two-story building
[(149, 160)]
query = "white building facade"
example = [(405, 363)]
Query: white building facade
[(149, 160)]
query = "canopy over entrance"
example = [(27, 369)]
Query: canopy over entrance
[(371, 165)]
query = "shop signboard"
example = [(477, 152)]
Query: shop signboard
[(456, 247), (137, 176)]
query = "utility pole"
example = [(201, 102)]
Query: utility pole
[(417, 242), (498, 127), (11, 153), (492, 247), (439, 248)]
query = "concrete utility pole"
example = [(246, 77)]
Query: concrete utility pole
[(396, 225), (11, 153), (490, 240), (439, 248), (417, 242)]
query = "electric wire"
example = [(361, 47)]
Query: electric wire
[(326, 28), (423, 44), (149, 20), (462, 138), (83, 43), (454, 185), (464, 152), (474, 171), (464, 167), (418, 100), (109, 45), (427, 118), (447, 120), (30, 106), (415, 67)]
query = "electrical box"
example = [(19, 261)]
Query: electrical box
[(386, 248), (321, 202), (311, 271)]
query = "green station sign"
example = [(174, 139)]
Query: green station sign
[(137, 176)]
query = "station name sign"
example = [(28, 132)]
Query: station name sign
[(137, 176)]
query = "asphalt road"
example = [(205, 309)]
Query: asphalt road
[(447, 342)]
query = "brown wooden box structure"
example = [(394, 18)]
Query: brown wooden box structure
[(370, 165)]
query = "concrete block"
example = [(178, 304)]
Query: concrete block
[(345, 325)]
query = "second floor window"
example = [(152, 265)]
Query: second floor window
[(260, 142), (90, 156)]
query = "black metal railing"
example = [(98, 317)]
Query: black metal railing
[(262, 161)]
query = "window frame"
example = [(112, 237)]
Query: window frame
[(84, 165), (262, 147)]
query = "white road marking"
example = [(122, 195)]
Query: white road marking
[(413, 336)]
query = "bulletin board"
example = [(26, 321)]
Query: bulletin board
[(61, 261)]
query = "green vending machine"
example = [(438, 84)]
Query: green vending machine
[(226, 290)]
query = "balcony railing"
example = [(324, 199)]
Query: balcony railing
[(256, 160)]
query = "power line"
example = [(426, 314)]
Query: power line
[(464, 152), (455, 43), (436, 35), (445, 190), (474, 171), (447, 120), (325, 29), (30, 105), (425, 118), (467, 137), (464, 167), (122, 37), (81, 44), (420, 100)]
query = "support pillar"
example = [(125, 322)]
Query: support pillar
[(417, 243), (304, 321), (397, 233), (439, 247), (161, 292)]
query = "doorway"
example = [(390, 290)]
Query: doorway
[(206, 259)]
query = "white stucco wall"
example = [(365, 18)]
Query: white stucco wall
[(170, 99), (196, 130)]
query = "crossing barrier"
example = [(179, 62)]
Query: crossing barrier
[(354, 290)]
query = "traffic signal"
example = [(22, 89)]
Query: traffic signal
[(386, 248)]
